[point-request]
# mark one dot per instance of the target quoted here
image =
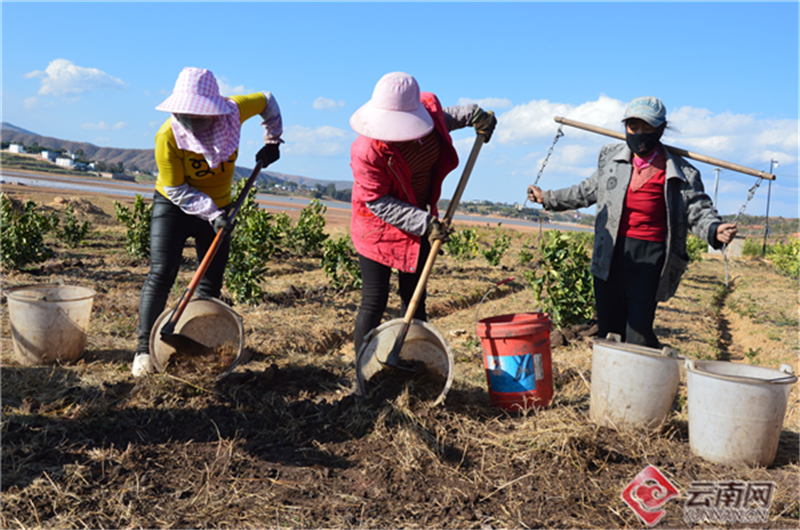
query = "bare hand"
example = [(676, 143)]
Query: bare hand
[(535, 194), (726, 232)]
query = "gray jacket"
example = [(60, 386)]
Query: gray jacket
[(688, 207)]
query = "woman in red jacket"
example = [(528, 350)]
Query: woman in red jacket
[(402, 155)]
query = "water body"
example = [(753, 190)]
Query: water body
[(131, 189)]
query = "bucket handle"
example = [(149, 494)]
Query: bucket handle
[(785, 368), (666, 351), (37, 297), (492, 288)]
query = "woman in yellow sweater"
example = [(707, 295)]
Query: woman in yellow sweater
[(196, 152)]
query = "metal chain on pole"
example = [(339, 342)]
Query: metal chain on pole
[(559, 134), (750, 194)]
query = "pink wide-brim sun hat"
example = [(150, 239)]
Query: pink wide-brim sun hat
[(394, 114), (196, 92)]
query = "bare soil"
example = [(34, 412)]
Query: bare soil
[(282, 442)]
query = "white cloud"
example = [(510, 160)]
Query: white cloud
[(65, 77), (327, 104), (744, 138), (533, 121), (30, 103), (103, 126), (320, 141), (738, 138), (488, 103), (227, 90)]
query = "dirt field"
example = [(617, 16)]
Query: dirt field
[(282, 443)]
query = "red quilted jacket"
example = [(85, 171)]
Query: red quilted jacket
[(378, 170)]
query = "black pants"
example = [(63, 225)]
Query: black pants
[(375, 293), (626, 302), (169, 230)]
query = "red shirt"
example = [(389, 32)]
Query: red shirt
[(644, 215)]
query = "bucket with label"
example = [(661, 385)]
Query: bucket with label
[(49, 322), (632, 385), (516, 357), (736, 410)]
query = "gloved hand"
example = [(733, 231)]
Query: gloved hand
[(223, 222), (268, 154), (484, 123), (438, 230)]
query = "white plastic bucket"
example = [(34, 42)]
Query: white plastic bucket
[(423, 344), (736, 410), (632, 385), (210, 322), (49, 322)]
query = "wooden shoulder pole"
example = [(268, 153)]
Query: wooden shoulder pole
[(674, 150)]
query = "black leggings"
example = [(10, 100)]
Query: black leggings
[(626, 302), (169, 230), (375, 293)]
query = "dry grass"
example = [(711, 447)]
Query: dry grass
[(281, 443)]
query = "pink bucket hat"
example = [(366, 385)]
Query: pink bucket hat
[(394, 114), (196, 92)]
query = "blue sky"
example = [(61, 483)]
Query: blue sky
[(727, 72)]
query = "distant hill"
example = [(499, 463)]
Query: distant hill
[(143, 159)]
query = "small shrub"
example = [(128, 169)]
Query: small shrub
[(283, 231), (786, 257), (695, 248), (494, 254), (137, 223), (752, 247), (525, 255), (463, 244), (585, 238), (22, 234), (751, 353), (74, 232), (340, 264), (308, 234), (253, 242), (563, 283)]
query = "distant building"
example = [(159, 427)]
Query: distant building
[(50, 156), (117, 176), (16, 148), (64, 161)]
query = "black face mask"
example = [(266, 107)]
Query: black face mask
[(643, 143)]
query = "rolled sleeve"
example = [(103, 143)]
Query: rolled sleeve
[(272, 121)]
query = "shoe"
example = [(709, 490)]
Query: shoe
[(142, 365)]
